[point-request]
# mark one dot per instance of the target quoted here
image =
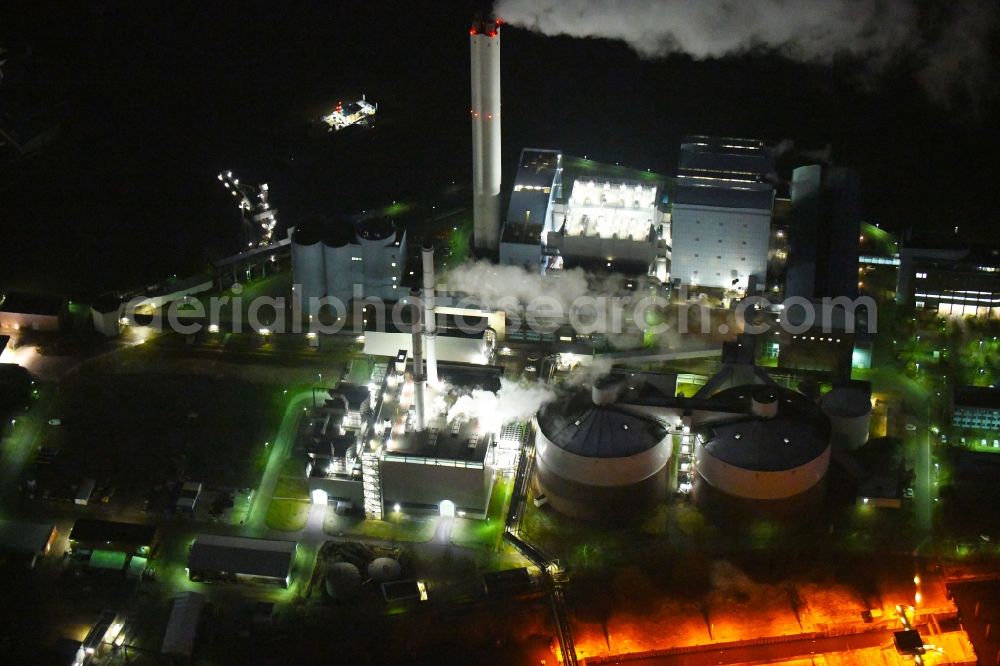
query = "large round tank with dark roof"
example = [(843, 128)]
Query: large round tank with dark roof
[(597, 459), (765, 445)]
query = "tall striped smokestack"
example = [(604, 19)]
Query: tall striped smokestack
[(430, 325), (484, 46), (418, 362)]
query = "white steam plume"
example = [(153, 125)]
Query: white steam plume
[(956, 60), (516, 401), (512, 287)]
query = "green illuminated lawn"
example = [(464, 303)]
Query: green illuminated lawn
[(287, 515), (984, 442), (485, 533), (880, 240), (459, 241), (396, 527), (687, 390), (293, 488)]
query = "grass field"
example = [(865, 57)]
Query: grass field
[(140, 430), (395, 528), (485, 533), (290, 487), (287, 515)]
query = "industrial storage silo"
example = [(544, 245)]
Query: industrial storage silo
[(383, 251), (597, 460), (766, 453), (342, 581), (849, 409), (342, 271), (308, 274)]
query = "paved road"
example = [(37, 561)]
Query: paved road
[(924, 490), (20, 439), (281, 447)]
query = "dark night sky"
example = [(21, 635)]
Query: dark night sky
[(155, 99)]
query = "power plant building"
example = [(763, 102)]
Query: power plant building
[(951, 279), (721, 216), (580, 216), (823, 236), (607, 224), (529, 214)]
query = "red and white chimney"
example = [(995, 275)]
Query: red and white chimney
[(484, 46)]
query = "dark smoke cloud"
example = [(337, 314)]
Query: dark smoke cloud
[(955, 59)]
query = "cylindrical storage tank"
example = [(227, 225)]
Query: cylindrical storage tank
[(771, 459), (384, 569), (342, 581), (308, 274), (849, 409), (338, 263), (600, 462), (377, 237)]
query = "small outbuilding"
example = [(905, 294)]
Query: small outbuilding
[(133, 538), (182, 627), (32, 540)]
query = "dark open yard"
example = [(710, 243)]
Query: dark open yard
[(139, 432)]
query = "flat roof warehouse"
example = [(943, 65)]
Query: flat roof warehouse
[(214, 555)]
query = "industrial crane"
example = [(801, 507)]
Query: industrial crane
[(259, 219)]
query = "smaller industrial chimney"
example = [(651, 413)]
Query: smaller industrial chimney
[(606, 390), (764, 402), (418, 362), (430, 326)]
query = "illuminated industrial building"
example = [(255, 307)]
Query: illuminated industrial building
[(608, 224), (398, 445), (721, 216), (31, 312), (565, 212), (976, 407), (952, 279), (529, 214)]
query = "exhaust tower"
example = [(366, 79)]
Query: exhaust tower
[(419, 379), (430, 327), (484, 47)]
